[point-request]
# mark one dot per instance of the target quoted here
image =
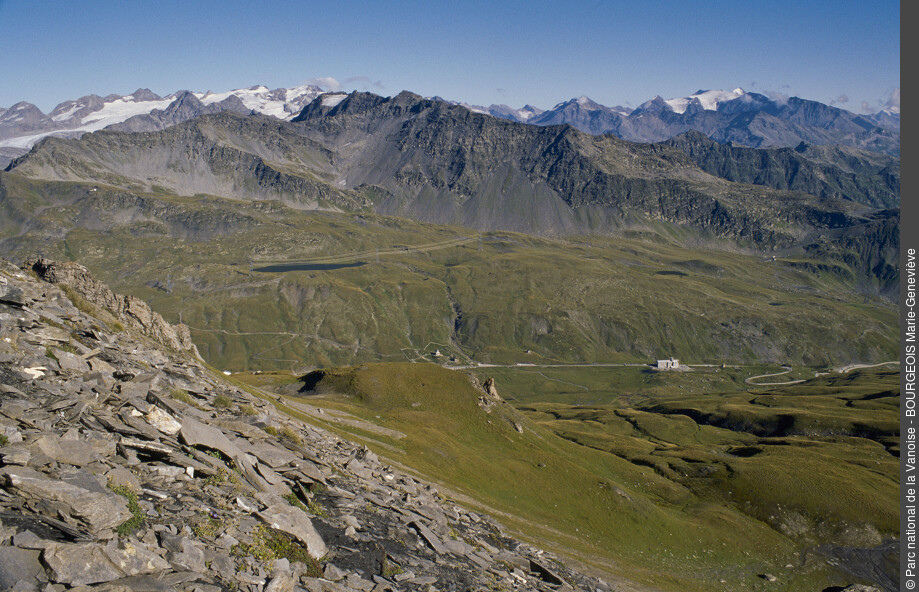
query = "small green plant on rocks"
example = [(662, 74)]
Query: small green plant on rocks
[(291, 435), (310, 507), (269, 544), (247, 409), (206, 527), (216, 454), (137, 515), (69, 348), (216, 479), (182, 395), (222, 402), (77, 299), (390, 568)]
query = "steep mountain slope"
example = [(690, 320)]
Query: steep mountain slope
[(233, 156), (746, 119), (126, 464), (585, 115), (821, 171), (185, 106)]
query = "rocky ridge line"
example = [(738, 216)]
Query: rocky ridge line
[(126, 466), (126, 308)]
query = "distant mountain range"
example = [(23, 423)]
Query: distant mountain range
[(23, 124), (430, 161), (739, 117)]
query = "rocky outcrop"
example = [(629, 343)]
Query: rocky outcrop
[(827, 173), (128, 309), (142, 470)]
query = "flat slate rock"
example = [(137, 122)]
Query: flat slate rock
[(129, 559), (296, 523), (20, 565), (97, 511)]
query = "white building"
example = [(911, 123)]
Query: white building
[(671, 364)]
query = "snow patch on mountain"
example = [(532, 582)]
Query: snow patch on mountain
[(709, 99), (332, 100), (283, 103), (119, 110), (93, 113), (68, 113)]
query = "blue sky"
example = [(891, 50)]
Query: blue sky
[(840, 52)]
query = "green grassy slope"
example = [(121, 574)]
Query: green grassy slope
[(653, 497), (633, 297)]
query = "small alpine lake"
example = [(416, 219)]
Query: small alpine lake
[(281, 268)]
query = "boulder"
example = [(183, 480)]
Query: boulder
[(63, 452), (90, 563), (97, 511), (194, 433), (184, 553), (489, 387), (296, 523), (13, 296), (163, 421), (71, 362)]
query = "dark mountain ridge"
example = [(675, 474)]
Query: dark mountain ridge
[(824, 172)]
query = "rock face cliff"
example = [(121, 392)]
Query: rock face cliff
[(127, 465), (128, 309)]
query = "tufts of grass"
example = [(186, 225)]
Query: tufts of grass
[(269, 544), (206, 527), (217, 478), (222, 402), (77, 299), (247, 409), (137, 515), (390, 568), (4, 440), (310, 507), (291, 435), (69, 348), (183, 396)]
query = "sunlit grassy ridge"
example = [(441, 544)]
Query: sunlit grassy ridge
[(637, 492)]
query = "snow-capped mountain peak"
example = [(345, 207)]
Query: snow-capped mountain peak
[(527, 112), (283, 103), (24, 124), (707, 99)]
